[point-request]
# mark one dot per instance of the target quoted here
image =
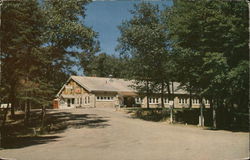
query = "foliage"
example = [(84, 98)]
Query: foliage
[(104, 65), (211, 38), (144, 41), (41, 42)]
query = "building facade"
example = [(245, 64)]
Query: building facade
[(82, 91)]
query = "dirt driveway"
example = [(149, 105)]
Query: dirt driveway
[(105, 134)]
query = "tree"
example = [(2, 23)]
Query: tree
[(68, 41), (104, 65), (143, 40), (211, 38), (38, 42), (20, 44)]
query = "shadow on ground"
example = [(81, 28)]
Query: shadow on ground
[(17, 135), (235, 129), (20, 142), (58, 121), (191, 117)]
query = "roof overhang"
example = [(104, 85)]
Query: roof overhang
[(70, 78), (67, 96), (128, 93)]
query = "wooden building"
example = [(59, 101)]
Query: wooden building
[(82, 91)]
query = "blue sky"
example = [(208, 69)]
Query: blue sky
[(105, 16)]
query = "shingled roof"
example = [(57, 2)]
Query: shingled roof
[(95, 84), (104, 84)]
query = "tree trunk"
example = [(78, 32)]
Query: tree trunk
[(2, 129), (12, 102), (169, 92), (162, 94), (171, 114), (43, 118), (147, 93), (171, 97), (173, 93), (190, 97), (213, 106), (201, 113), (26, 112)]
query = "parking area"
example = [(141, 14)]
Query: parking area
[(106, 134)]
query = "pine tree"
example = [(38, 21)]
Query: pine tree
[(143, 38), (210, 38)]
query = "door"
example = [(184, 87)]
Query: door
[(129, 101), (68, 102)]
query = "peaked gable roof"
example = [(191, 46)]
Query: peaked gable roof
[(104, 84), (95, 84)]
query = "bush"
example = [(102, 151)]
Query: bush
[(152, 114), (226, 119)]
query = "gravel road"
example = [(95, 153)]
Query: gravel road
[(105, 134)]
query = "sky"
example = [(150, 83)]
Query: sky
[(105, 16)]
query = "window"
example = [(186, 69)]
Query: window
[(138, 100), (73, 101), (180, 100), (85, 100), (153, 100), (80, 100), (166, 100), (207, 101), (150, 100), (193, 101), (183, 100), (88, 99), (104, 98), (196, 101)]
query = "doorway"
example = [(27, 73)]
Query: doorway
[(129, 101), (68, 102)]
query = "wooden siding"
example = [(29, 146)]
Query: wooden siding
[(75, 88)]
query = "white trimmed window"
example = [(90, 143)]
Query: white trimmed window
[(183, 100), (166, 100), (104, 98), (153, 101), (195, 101), (138, 100), (207, 101), (150, 101)]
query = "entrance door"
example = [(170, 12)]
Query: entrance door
[(129, 101)]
